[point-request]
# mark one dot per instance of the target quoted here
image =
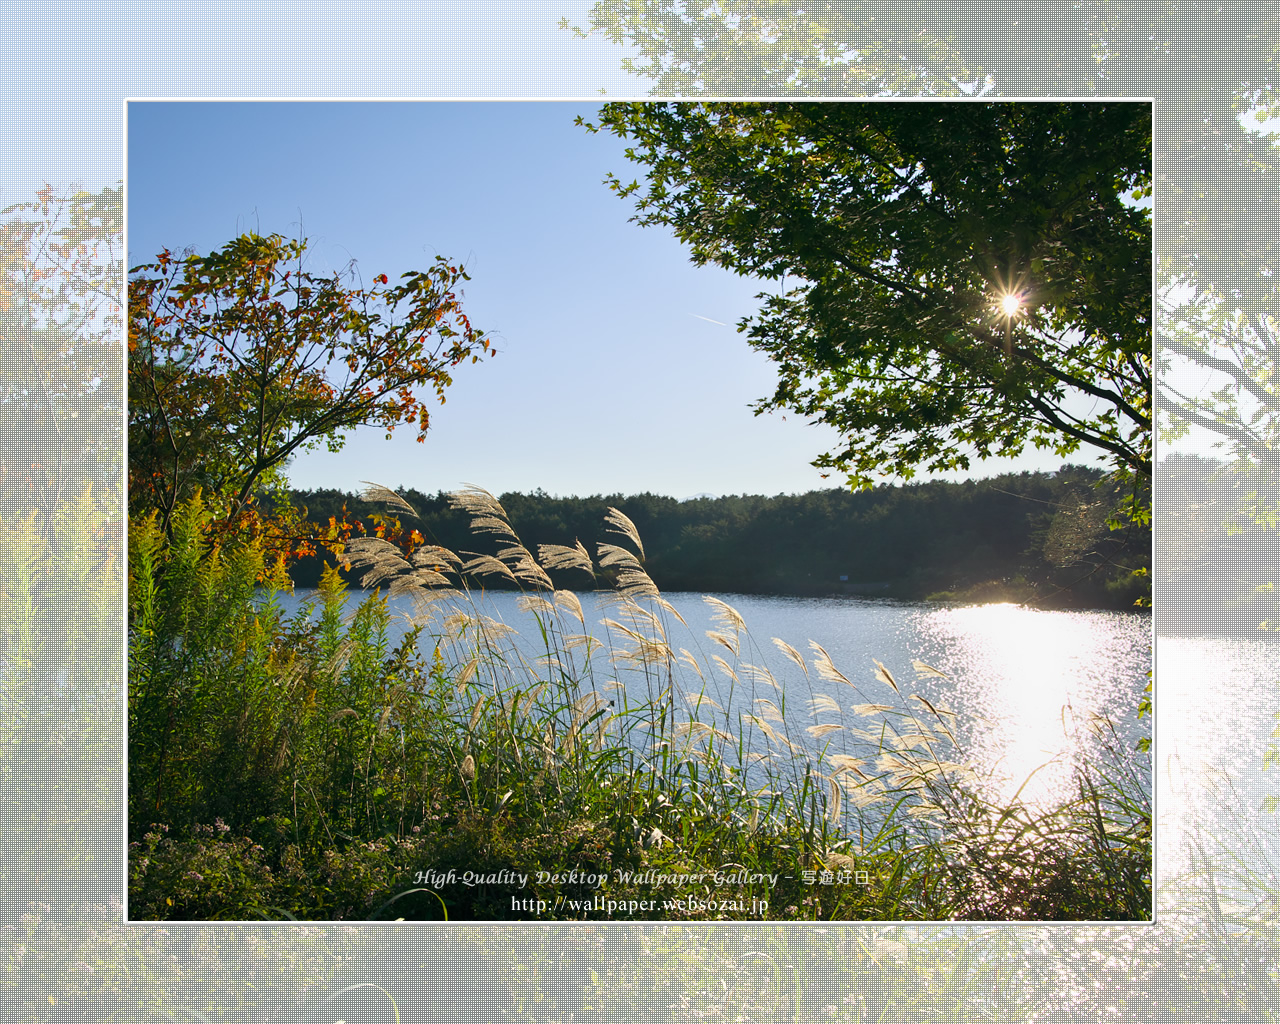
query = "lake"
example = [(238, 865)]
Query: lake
[(1024, 684), (1215, 716)]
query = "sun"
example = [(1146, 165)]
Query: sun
[(1010, 304)]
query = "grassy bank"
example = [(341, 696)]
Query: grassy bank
[(309, 766)]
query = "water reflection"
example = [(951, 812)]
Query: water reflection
[(1035, 687), (1026, 685), (1215, 715)]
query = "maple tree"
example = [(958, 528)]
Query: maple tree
[(242, 358), (957, 279), (60, 319)]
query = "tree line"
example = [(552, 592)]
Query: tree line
[(1038, 537)]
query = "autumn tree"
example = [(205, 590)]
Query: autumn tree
[(242, 358), (60, 320), (954, 279)]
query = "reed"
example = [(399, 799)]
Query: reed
[(352, 774)]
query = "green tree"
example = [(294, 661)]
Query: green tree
[(1206, 63), (242, 358), (958, 279)]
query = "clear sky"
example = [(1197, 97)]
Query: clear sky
[(620, 369)]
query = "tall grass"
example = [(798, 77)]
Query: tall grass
[(315, 767)]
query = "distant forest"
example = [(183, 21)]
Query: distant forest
[(1219, 566), (1042, 538)]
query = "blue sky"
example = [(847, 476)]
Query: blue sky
[(619, 366)]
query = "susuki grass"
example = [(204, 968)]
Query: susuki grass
[(318, 767)]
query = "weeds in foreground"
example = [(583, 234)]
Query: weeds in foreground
[(316, 767)]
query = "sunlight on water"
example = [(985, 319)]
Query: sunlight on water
[(1031, 685), (1215, 713)]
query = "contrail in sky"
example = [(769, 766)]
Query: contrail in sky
[(708, 319)]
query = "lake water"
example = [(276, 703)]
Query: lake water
[(1024, 685), (1215, 715)]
